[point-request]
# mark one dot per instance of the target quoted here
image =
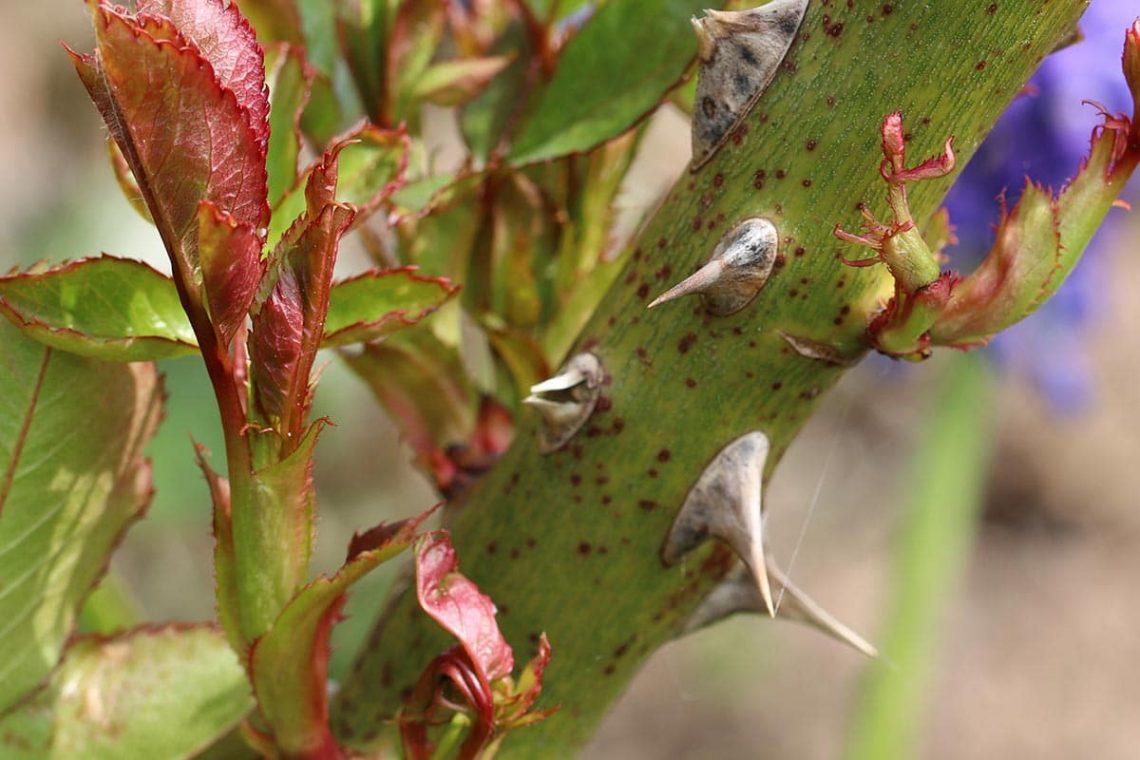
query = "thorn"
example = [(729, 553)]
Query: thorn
[(706, 46), (698, 282), (811, 349), (735, 273), (737, 593), (733, 77), (572, 375), (566, 400), (726, 503), (796, 605)]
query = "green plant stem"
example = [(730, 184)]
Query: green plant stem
[(568, 543), (947, 479)]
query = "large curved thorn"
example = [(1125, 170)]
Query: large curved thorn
[(726, 503)]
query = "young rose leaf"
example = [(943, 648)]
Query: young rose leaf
[(377, 303), (613, 72), (288, 327), (228, 42), (166, 692), (72, 431), (147, 76), (289, 664), (452, 83), (1042, 239), (459, 607), (106, 308), (289, 316), (290, 81), (230, 257), (1007, 284), (371, 164)]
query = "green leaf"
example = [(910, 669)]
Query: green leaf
[(363, 31), (151, 693), (377, 303), (486, 119), (451, 83), (289, 664), (72, 431), (615, 71), (107, 308), (289, 82), (370, 167)]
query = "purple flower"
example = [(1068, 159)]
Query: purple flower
[(1043, 135)]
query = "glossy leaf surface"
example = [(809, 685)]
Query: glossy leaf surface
[(459, 607), (377, 303), (612, 73), (107, 308)]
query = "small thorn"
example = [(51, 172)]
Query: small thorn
[(796, 605), (735, 273), (726, 503), (738, 593), (566, 380), (706, 46), (823, 352), (566, 400)]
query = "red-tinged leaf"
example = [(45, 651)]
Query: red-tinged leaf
[(452, 83), (1042, 239), (459, 607), (275, 345), (374, 304), (228, 42), (370, 167), (106, 308), (230, 256), (145, 79), (1130, 62), (126, 180), (289, 664), (1011, 280), (529, 685), (288, 327)]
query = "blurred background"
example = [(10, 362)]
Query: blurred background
[(1012, 634)]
